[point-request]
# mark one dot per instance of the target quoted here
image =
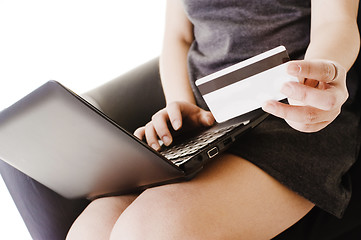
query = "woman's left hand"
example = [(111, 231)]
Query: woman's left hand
[(316, 100)]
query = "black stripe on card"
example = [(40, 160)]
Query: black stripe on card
[(243, 73)]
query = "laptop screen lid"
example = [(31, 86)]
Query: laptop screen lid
[(69, 146)]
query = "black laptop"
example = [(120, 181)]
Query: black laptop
[(62, 141)]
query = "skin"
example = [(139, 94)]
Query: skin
[(231, 198), (314, 103)]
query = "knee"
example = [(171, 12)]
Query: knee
[(158, 214), (90, 226)]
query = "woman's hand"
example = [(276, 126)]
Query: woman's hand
[(174, 116), (316, 100)]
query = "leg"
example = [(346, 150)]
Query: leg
[(230, 199), (319, 224), (98, 219)]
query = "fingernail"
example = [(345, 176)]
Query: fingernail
[(294, 69), (155, 146), (287, 89), (176, 124), (166, 140)]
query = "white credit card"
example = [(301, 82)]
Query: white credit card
[(247, 85)]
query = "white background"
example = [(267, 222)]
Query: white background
[(80, 43)]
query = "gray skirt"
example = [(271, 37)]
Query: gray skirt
[(314, 165)]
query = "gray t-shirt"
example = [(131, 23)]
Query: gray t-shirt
[(229, 31)]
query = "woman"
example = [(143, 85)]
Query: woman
[(272, 178)]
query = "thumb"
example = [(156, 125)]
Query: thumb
[(206, 118)]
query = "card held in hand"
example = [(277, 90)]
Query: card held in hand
[(247, 85)]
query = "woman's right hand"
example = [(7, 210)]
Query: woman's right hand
[(175, 116)]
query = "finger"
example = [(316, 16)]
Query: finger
[(151, 136), (199, 116), (160, 124), (322, 99), (205, 118), (308, 128), (196, 116), (321, 70), (175, 115), (140, 133), (305, 115)]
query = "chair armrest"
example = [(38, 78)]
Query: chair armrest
[(131, 99)]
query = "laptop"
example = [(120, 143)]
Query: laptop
[(59, 139), (64, 142)]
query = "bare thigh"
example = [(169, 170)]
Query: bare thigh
[(97, 220), (230, 199)]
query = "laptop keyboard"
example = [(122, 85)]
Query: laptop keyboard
[(178, 153)]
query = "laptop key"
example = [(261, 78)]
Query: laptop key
[(195, 144)]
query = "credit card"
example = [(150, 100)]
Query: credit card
[(247, 85)]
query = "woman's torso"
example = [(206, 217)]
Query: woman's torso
[(229, 31)]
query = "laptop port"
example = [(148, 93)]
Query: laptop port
[(213, 152), (227, 141)]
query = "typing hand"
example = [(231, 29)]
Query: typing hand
[(175, 116), (316, 100)]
